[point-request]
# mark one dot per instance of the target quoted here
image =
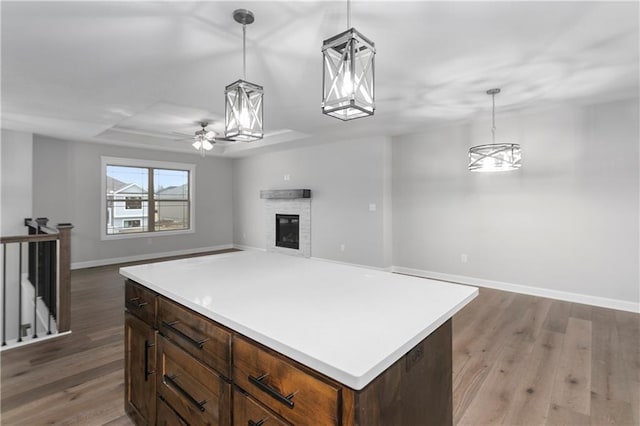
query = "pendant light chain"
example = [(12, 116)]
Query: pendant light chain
[(244, 52), (348, 14), (493, 126)]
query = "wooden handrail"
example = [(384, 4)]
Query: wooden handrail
[(29, 238)]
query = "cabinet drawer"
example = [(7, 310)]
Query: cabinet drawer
[(276, 382), (197, 335), (166, 416), (247, 412), (196, 393), (140, 301)]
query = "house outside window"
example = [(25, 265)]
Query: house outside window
[(130, 209)]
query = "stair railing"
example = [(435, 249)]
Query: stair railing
[(48, 271)]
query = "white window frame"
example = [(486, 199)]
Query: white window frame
[(133, 162)]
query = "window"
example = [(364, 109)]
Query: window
[(133, 203), (131, 209)]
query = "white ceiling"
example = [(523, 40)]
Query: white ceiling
[(142, 73)]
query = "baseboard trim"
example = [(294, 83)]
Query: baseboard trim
[(147, 256), (250, 248), (621, 305), (356, 265)]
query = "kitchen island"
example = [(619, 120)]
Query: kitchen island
[(247, 336)]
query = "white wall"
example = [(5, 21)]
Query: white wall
[(16, 152), (567, 221), (67, 178), (344, 177)]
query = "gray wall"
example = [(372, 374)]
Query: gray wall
[(16, 152), (567, 221), (67, 188), (345, 178)]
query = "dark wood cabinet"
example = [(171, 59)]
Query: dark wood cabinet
[(140, 364), (198, 394), (247, 411), (184, 368), (280, 385), (202, 338), (167, 416)]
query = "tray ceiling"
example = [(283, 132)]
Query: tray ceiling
[(140, 73)]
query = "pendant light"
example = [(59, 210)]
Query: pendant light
[(348, 74), (243, 100), (494, 157)]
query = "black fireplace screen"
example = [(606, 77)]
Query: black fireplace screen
[(288, 231)]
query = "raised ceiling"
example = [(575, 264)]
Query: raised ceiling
[(142, 73)]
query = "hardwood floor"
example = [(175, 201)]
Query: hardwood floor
[(516, 360)]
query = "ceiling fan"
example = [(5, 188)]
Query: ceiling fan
[(205, 139)]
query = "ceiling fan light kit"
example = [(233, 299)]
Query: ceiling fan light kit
[(243, 100), (348, 89), (203, 140), (494, 157)]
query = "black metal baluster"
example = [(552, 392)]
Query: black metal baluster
[(20, 292), (50, 283), (35, 290), (4, 293)]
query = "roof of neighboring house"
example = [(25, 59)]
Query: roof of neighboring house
[(180, 191), (114, 184), (131, 188)]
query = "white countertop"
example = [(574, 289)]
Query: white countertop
[(347, 322)]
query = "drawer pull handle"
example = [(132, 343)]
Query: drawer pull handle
[(194, 342), (286, 400), (133, 304), (171, 380), (258, 423), (147, 373)]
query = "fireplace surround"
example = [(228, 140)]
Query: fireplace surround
[(283, 207)]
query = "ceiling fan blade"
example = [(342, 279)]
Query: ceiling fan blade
[(221, 139)]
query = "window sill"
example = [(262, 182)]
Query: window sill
[(109, 237)]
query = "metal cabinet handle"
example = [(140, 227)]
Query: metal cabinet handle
[(171, 380), (133, 304), (171, 326), (147, 373), (258, 423), (286, 400)]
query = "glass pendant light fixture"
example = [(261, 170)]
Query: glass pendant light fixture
[(348, 74), (243, 100), (494, 157)]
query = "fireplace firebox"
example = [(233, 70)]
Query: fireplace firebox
[(288, 231)]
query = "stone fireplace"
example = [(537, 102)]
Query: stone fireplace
[(288, 221)]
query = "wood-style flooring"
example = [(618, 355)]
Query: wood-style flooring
[(517, 360)]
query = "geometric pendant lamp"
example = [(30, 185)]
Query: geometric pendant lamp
[(348, 74), (243, 100), (495, 157)]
